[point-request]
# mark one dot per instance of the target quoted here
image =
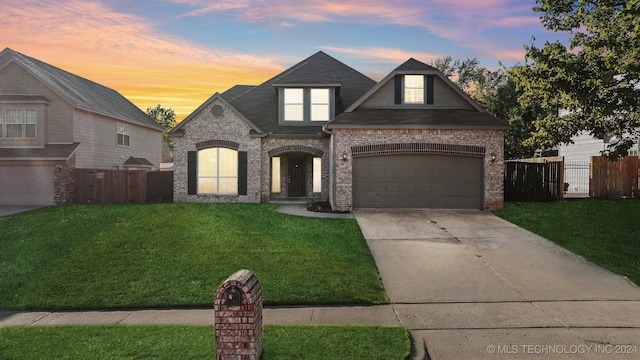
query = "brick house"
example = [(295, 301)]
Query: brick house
[(323, 131), (52, 122)]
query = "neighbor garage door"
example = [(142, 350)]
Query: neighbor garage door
[(26, 185), (418, 181)]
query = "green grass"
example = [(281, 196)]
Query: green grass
[(197, 342), (176, 255), (605, 232)]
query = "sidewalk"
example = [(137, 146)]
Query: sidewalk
[(380, 315)]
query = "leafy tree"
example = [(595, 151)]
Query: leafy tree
[(596, 78), (496, 92), (166, 117)]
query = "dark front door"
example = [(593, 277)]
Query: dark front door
[(297, 178)]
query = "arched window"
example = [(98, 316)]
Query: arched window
[(217, 171)]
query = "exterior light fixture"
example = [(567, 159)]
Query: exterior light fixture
[(345, 156), (493, 158)]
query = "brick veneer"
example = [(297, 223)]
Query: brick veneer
[(64, 181), (345, 139), (238, 328)]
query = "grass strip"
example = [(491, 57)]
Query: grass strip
[(198, 342)]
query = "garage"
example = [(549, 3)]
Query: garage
[(429, 181), (27, 185)]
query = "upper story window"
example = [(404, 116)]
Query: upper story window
[(123, 134), (306, 105), (414, 89), (293, 104), (18, 123)]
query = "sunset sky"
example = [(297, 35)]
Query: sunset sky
[(177, 53)]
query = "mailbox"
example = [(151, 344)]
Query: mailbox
[(238, 317)]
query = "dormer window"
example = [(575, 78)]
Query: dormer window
[(303, 106), (414, 89)]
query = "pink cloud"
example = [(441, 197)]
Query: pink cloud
[(126, 53)]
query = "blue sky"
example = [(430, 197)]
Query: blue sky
[(179, 52)]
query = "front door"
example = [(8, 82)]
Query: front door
[(297, 178)]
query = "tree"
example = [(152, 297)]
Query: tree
[(496, 92), (596, 78), (166, 117)]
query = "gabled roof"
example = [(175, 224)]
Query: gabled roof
[(214, 97), (400, 117), (260, 104), (79, 92), (306, 75), (413, 66)]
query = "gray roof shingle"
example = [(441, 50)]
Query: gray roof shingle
[(260, 104), (48, 152), (80, 92), (418, 118)]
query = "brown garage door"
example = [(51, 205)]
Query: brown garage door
[(418, 181)]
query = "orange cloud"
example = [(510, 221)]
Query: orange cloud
[(126, 53)]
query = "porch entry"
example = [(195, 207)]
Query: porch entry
[(297, 177)]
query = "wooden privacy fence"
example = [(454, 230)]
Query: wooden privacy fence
[(122, 187), (609, 177), (529, 181)]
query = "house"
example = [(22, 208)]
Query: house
[(52, 122), (321, 130)]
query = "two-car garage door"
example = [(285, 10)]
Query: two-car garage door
[(429, 181)]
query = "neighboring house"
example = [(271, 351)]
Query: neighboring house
[(321, 130), (52, 122)]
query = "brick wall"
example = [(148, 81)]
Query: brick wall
[(64, 188), (491, 140), (205, 127)]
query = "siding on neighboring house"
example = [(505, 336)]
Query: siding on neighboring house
[(58, 114), (98, 149), (583, 148)]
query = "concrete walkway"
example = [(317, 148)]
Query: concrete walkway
[(469, 285)]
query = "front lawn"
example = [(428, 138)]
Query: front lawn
[(606, 232), (197, 342), (176, 255)]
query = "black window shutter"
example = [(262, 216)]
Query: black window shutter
[(242, 173), (192, 173), (398, 89), (429, 89)]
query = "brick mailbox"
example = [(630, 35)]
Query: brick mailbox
[(238, 318)]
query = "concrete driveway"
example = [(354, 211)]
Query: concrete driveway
[(6, 210), (469, 285)]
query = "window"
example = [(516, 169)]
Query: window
[(30, 119), (275, 174), (293, 104), (320, 105), (123, 133), (305, 105), (217, 171), (317, 174), (14, 123), (1, 124), (414, 89)]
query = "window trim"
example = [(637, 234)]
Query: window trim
[(217, 175), (21, 120), (427, 90), (123, 129), (307, 106)]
